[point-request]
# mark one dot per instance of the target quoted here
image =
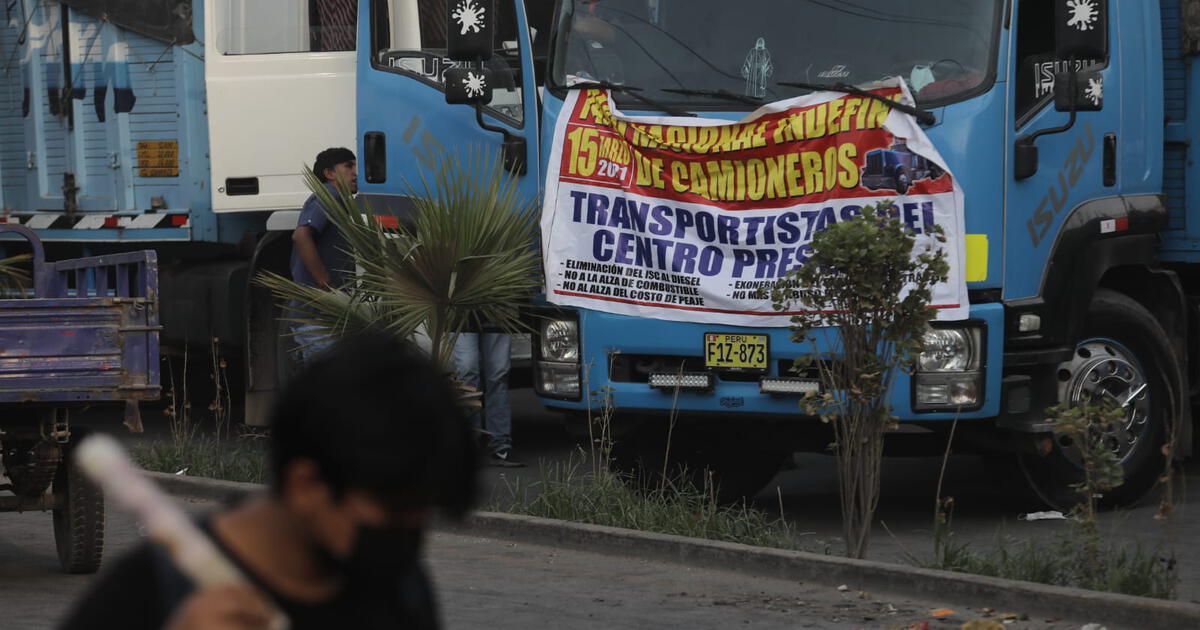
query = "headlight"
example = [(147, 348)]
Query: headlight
[(560, 341), (949, 371), (950, 350)]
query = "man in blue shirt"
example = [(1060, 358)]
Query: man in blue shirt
[(320, 254)]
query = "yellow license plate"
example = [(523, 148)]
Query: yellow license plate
[(730, 351)]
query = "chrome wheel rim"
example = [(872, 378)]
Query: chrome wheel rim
[(1101, 369)]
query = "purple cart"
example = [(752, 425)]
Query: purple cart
[(88, 335)]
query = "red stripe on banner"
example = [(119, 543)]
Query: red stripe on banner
[(705, 309)]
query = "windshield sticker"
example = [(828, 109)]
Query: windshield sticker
[(757, 69), (695, 219), (1083, 14), (469, 17), (837, 72)]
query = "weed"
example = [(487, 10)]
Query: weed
[(1078, 557), (570, 491), (206, 456)]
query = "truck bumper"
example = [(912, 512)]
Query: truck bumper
[(619, 352)]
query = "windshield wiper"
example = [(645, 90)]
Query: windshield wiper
[(923, 116), (725, 94), (631, 91)]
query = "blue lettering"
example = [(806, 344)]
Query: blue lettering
[(643, 256), (767, 258), (624, 247), (706, 227), (619, 218), (927, 214), (787, 225), (810, 216), (662, 220), (597, 212), (752, 224), (727, 229), (742, 258), (711, 260), (685, 258), (825, 219), (602, 245), (637, 214), (578, 197), (683, 221), (851, 212), (910, 218)]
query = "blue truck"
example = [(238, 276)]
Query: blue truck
[(85, 333), (181, 125), (1069, 136)]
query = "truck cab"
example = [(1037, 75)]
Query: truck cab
[(1078, 244)]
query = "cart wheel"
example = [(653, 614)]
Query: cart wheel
[(79, 523)]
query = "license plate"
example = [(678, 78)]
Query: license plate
[(728, 351)]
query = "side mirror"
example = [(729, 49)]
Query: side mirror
[(470, 29), (1078, 91), (468, 86), (1081, 29)]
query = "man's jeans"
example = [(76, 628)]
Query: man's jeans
[(310, 340), (495, 351)]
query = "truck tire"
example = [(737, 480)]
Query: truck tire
[(1123, 353), (903, 181), (79, 523), (732, 471)]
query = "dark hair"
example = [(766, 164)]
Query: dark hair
[(330, 158), (377, 414)]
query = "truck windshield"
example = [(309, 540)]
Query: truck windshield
[(943, 48)]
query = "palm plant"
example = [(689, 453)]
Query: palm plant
[(469, 258), (12, 276)]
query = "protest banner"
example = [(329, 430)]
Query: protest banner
[(694, 219)]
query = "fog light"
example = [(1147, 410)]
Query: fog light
[(787, 385), (685, 380), (933, 394), (945, 392), (1029, 322), (558, 380)]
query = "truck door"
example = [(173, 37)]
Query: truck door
[(405, 126), (1070, 162), (280, 81), (74, 149)]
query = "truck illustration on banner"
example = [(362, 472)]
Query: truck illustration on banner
[(897, 168)]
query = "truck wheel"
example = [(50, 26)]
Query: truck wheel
[(903, 181), (734, 472), (1123, 355), (79, 523)]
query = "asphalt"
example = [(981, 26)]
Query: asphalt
[(1037, 601)]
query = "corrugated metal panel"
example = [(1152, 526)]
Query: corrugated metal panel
[(157, 117), (1175, 109), (12, 124), (96, 175), (1174, 69)]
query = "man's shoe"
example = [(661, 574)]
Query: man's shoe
[(504, 458)]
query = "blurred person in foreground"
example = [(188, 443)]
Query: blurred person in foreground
[(366, 442)]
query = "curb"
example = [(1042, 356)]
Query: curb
[(1049, 601)]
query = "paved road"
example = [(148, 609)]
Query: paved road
[(537, 584), (488, 583)]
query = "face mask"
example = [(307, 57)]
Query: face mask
[(378, 554)]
